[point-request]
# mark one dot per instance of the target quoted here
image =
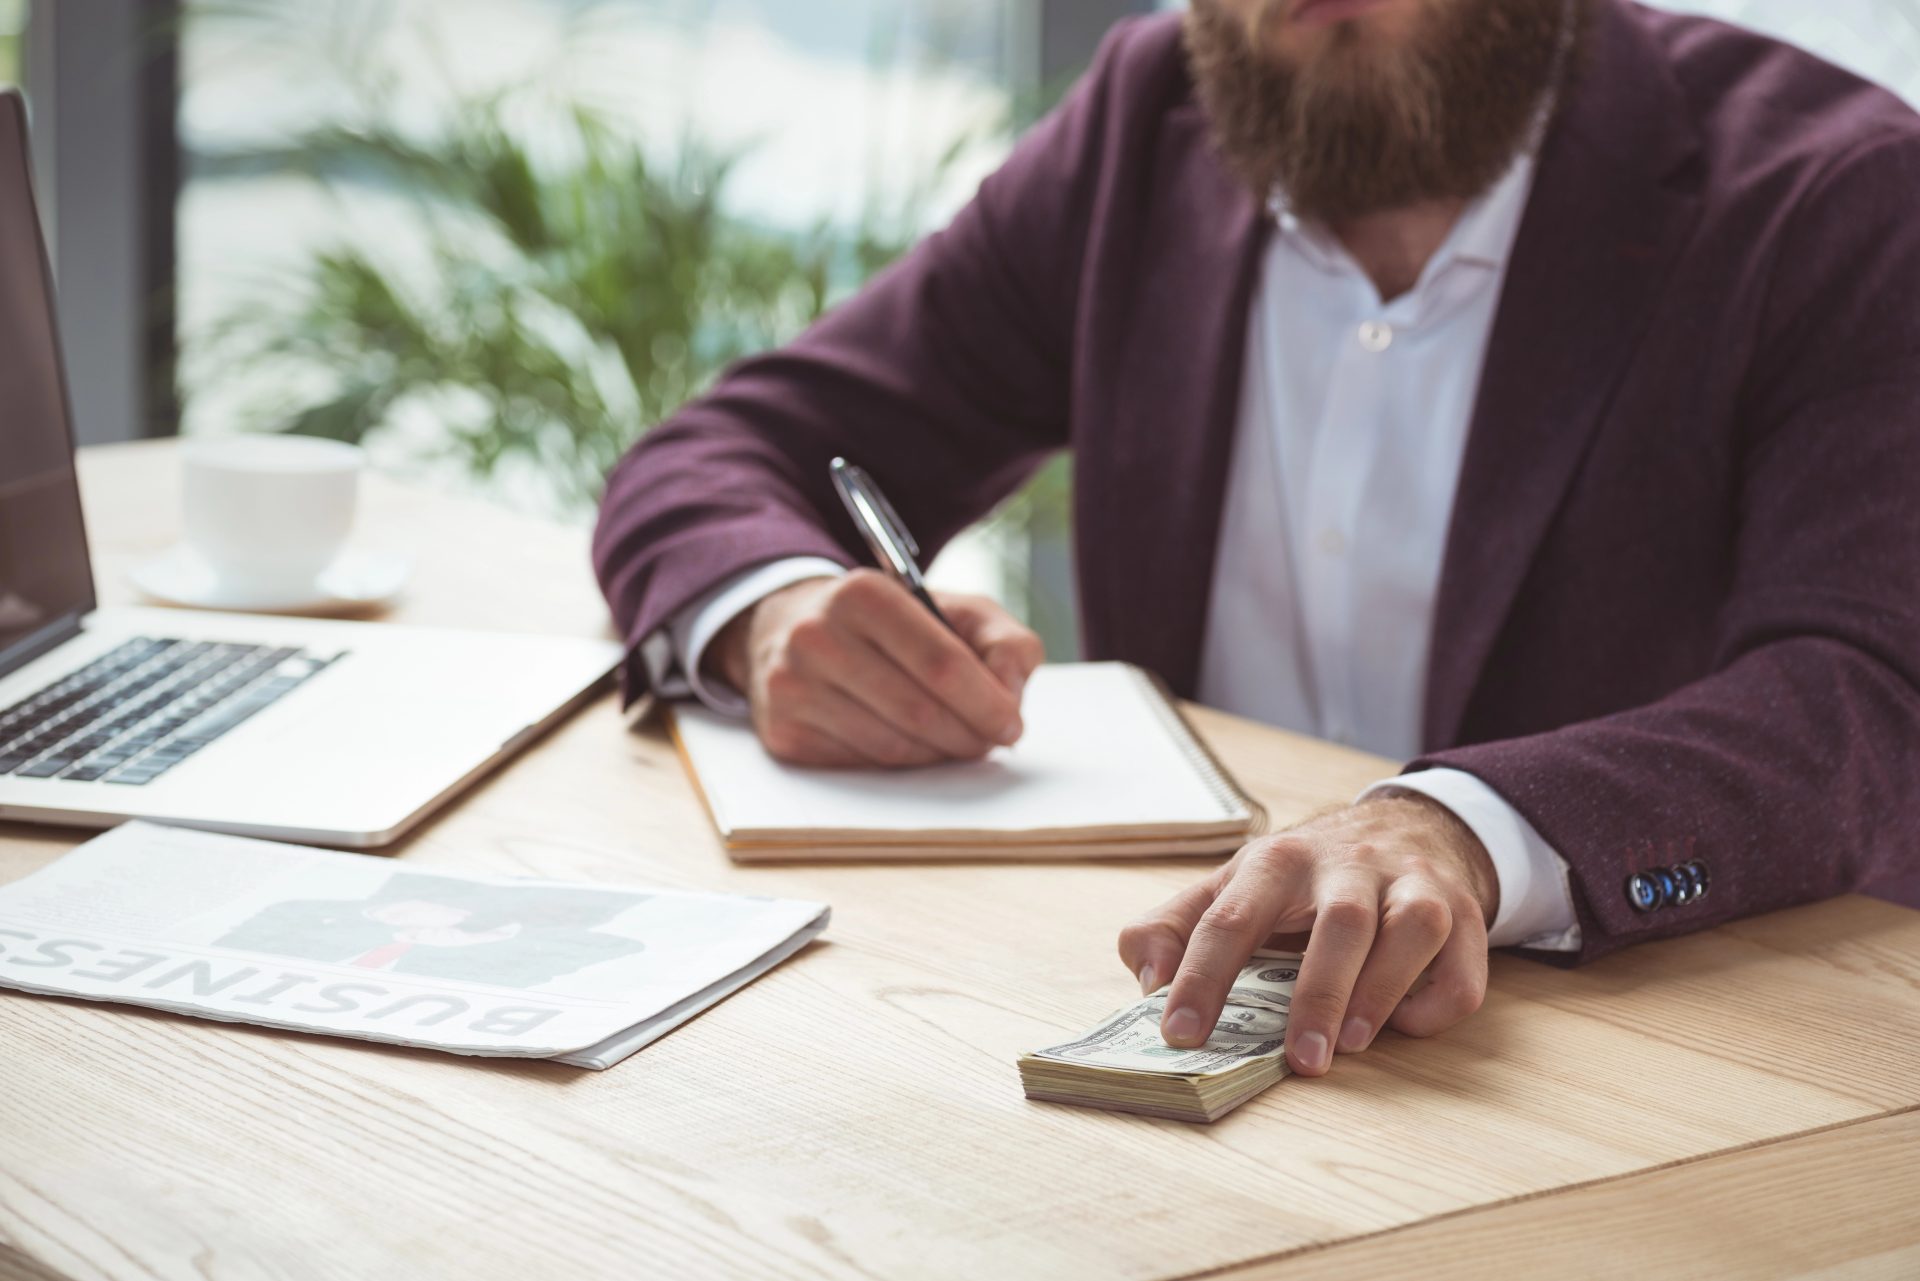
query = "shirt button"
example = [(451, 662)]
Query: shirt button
[(1375, 336), (1332, 543)]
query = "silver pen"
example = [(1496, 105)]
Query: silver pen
[(887, 537)]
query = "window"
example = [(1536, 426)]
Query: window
[(830, 134), (13, 22), (360, 232)]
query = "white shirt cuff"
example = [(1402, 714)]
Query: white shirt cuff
[(1536, 903), (672, 653)]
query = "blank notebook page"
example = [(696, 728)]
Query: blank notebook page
[(1102, 752)]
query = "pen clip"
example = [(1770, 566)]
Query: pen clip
[(893, 546), (876, 520), (895, 526)]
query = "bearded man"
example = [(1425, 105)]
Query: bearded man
[(1529, 388)]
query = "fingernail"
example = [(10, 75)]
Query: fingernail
[(1182, 1025), (1357, 1034), (1310, 1053), (1010, 734), (1148, 979)]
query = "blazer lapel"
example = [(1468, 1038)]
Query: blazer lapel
[(1592, 253), (1150, 494)]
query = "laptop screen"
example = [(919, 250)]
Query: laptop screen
[(45, 581)]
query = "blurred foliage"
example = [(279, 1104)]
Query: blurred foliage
[(569, 290), (13, 21), (566, 293), (560, 311)]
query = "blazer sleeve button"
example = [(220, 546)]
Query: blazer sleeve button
[(1643, 892), (1697, 873)]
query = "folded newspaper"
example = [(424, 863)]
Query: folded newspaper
[(349, 945)]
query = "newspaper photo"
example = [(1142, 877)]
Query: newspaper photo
[(252, 931)]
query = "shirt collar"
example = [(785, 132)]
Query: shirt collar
[(1486, 229)]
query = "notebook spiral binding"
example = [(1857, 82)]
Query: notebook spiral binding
[(1208, 766)]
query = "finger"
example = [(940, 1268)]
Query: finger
[(1152, 946), (879, 683), (798, 743), (1346, 916), (783, 730), (1457, 982), (944, 665), (1267, 882), (1414, 922), (833, 713), (826, 654), (1010, 650)]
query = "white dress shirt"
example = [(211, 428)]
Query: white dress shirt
[(1353, 422)]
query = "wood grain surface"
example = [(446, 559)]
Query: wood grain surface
[(1836, 1203), (857, 1113)]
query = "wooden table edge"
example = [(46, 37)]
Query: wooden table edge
[(1263, 1267)]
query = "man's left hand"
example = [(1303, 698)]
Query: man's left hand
[(1391, 888)]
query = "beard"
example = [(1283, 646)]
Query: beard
[(1368, 125)]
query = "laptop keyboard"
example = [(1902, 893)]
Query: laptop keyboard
[(137, 711)]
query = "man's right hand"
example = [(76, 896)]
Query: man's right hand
[(854, 671)]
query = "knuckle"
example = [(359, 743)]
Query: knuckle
[(1429, 917), (1346, 915), (1274, 853), (1464, 996), (1439, 1007), (841, 608), (1230, 915), (855, 594), (1419, 865), (1466, 908), (864, 581), (784, 683), (810, 639)]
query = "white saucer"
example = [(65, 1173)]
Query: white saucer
[(356, 580)]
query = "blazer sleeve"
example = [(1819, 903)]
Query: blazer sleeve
[(946, 377), (1791, 770)]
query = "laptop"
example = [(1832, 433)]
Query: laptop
[(332, 732)]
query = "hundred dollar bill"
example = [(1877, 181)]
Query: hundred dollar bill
[(1124, 1064)]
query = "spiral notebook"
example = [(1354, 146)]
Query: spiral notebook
[(1107, 768)]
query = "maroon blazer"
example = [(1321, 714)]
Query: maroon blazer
[(1679, 615)]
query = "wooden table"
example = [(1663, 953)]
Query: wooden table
[(1741, 1102)]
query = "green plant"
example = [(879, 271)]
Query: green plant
[(551, 312), (555, 289), (13, 20), (547, 303)]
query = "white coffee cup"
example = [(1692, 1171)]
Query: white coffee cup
[(269, 513)]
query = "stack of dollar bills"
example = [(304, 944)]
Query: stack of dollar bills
[(1124, 1065)]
